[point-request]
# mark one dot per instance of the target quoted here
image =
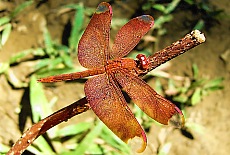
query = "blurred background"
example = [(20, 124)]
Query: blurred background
[(39, 38)]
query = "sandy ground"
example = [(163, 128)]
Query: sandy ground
[(212, 113)]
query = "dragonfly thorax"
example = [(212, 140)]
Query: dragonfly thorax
[(121, 63)]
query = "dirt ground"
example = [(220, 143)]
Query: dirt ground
[(212, 113)]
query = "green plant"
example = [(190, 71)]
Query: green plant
[(59, 56), (166, 13), (6, 22), (195, 89), (206, 13), (54, 58)]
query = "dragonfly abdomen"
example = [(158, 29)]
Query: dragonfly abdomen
[(72, 76)]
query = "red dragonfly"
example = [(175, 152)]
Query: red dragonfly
[(113, 72)]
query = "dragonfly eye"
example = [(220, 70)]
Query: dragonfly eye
[(144, 61)]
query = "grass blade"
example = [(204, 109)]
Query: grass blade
[(159, 7), (74, 129), (158, 24), (48, 42), (109, 137), (20, 8), (19, 56), (164, 150), (67, 60), (41, 146), (50, 64), (3, 67), (6, 33), (83, 146), (172, 6), (77, 26), (199, 25), (196, 97), (4, 20), (39, 104), (195, 71), (214, 84), (4, 148)]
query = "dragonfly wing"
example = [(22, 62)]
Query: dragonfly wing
[(153, 104), (93, 48), (130, 34), (108, 103)]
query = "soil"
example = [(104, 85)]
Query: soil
[(212, 113)]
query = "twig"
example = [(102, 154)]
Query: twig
[(177, 48), (42, 126)]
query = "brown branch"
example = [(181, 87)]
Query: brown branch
[(42, 126), (177, 48)]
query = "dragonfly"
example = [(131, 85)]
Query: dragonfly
[(113, 73)]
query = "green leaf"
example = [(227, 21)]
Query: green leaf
[(39, 104), (42, 63), (4, 20), (14, 80), (67, 60), (51, 64), (214, 84), (23, 54), (77, 26), (89, 11), (4, 67), (196, 97), (95, 149), (190, 2), (164, 150), (180, 98), (199, 25), (74, 129), (62, 48), (48, 43), (161, 20), (158, 86), (20, 8), (159, 7), (19, 56), (38, 52), (109, 137), (4, 148), (42, 147), (84, 144), (6, 33), (48, 72), (146, 6), (55, 62), (184, 89), (34, 149), (195, 71), (172, 6), (206, 7), (196, 127), (137, 112), (171, 85), (197, 83), (118, 22)]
